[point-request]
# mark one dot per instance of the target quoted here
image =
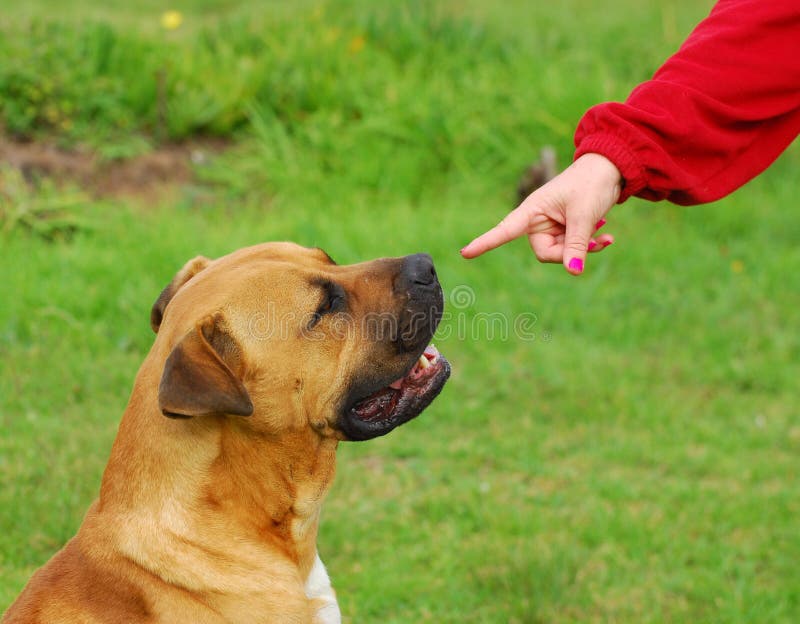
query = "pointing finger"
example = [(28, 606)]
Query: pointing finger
[(514, 225)]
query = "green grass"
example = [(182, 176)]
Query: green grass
[(636, 462)]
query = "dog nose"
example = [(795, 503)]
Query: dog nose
[(415, 272), (421, 295)]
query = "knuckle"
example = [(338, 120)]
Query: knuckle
[(576, 245)]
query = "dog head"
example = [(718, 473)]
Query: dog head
[(281, 336)]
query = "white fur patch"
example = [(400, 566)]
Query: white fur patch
[(318, 587)]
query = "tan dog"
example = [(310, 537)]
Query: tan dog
[(209, 506)]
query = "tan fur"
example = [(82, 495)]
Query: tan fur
[(214, 518)]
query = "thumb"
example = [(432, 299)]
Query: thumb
[(579, 229)]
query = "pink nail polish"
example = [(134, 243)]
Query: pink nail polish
[(576, 265), (592, 245), (600, 224), (608, 244)]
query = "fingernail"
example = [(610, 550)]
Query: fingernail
[(600, 224), (609, 243), (576, 265), (592, 245)]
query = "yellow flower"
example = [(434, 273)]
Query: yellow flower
[(356, 44), (170, 20), (737, 266)]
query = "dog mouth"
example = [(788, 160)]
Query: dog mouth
[(403, 399)]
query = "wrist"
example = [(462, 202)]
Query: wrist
[(600, 169), (600, 174)]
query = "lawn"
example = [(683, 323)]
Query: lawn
[(631, 457)]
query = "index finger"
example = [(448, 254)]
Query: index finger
[(513, 225)]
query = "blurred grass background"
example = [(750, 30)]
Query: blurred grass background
[(636, 461)]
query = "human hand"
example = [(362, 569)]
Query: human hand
[(561, 217)]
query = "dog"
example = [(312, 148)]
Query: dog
[(263, 361)]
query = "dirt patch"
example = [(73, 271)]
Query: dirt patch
[(148, 176)]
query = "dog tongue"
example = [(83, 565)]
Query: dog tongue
[(380, 405)]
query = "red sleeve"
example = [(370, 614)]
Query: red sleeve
[(715, 115)]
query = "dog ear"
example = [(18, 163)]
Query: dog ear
[(189, 270), (198, 377)]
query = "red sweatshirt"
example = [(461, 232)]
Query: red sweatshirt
[(715, 115)]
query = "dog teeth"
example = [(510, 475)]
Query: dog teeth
[(432, 353), (423, 362)]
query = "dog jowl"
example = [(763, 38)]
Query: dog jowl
[(264, 360)]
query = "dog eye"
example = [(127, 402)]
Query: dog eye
[(333, 301)]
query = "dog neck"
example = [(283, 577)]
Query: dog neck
[(273, 485), (239, 500)]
